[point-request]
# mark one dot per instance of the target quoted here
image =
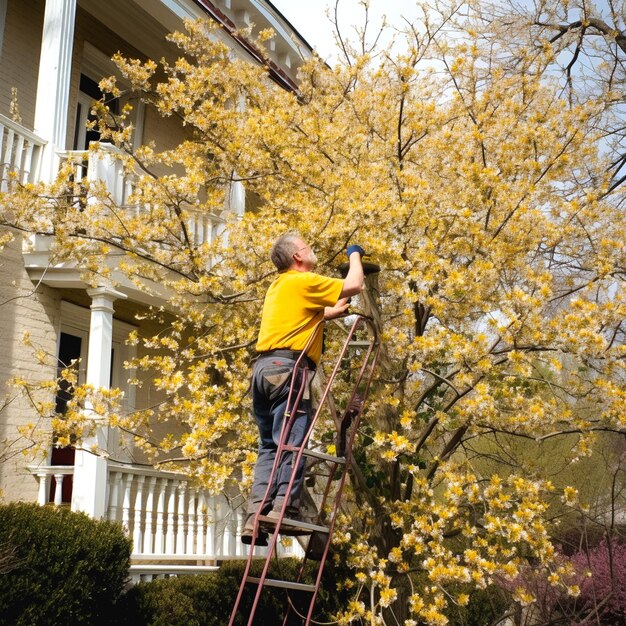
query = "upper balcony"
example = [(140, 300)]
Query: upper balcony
[(21, 151)]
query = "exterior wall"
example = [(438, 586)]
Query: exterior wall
[(22, 310), (19, 63), (89, 30)]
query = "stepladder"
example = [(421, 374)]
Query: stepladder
[(339, 405)]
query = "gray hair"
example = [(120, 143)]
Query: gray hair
[(283, 250)]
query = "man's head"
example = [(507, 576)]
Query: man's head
[(291, 252)]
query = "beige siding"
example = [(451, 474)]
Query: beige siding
[(19, 64), (22, 310)]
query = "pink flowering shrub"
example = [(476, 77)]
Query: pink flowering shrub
[(603, 593), (600, 575)]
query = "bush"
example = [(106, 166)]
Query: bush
[(602, 593), (67, 568), (207, 599)]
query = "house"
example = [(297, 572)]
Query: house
[(53, 53)]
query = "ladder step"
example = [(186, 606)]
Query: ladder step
[(339, 460), (360, 343), (294, 524), (285, 584)]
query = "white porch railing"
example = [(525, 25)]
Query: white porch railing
[(20, 153), (166, 515), (175, 526), (105, 166)]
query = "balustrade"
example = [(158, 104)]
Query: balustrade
[(169, 519), (20, 152)]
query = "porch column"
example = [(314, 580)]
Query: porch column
[(90, 470), (53, 84)]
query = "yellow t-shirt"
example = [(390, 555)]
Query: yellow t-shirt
[(293, 306)]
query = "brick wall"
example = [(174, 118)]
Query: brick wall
[(22, 308)]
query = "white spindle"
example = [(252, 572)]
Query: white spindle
[(28, 160), (201, 523), (42, 495), (1, 137), (114, 496), (210, 526), (159, 536), (239, 522), (230, 547), (128, 482), (180, 530), (6, 162), (170, 537), (191, 521), (148, 534), (18, 156), (137, 530)]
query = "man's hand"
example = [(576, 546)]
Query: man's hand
[(355, 248), (333, 312)]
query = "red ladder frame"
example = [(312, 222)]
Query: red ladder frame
[(346, 424)]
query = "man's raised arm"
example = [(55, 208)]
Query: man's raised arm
[(353, 282)]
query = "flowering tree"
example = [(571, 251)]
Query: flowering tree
[(487, 197)]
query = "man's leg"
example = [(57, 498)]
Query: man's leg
[(296, 435)]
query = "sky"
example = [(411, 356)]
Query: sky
[(309, 18)]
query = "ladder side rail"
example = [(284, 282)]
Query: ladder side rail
[(285, 429), (270, 548), (329, 383), (369, 363), (274, 539), (298, 456), (283, 436)]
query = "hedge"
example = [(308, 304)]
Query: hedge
[(64, 568), (207, 599)]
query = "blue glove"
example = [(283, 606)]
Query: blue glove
[(355, 248)]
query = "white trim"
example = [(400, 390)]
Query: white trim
[(78, 317), (54, 79)]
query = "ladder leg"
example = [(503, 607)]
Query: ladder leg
[(284, 433)]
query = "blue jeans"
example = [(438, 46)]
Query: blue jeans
[(271, 380)]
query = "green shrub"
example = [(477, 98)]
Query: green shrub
[(67, 568), (207, 599)]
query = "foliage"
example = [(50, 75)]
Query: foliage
[(207, 600), (491, 198), (602, 572), (66, 569)]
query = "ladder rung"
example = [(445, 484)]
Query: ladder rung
[(340, 460), (293, 523), (285, 584), (360, 343)]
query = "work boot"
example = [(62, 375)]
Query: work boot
[(293, 515), (247, 533)]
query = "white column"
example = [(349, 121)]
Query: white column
[(90, 471), (58, 489), (237, 198), (53, 84)]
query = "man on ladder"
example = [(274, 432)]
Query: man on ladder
[(295, 305)]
